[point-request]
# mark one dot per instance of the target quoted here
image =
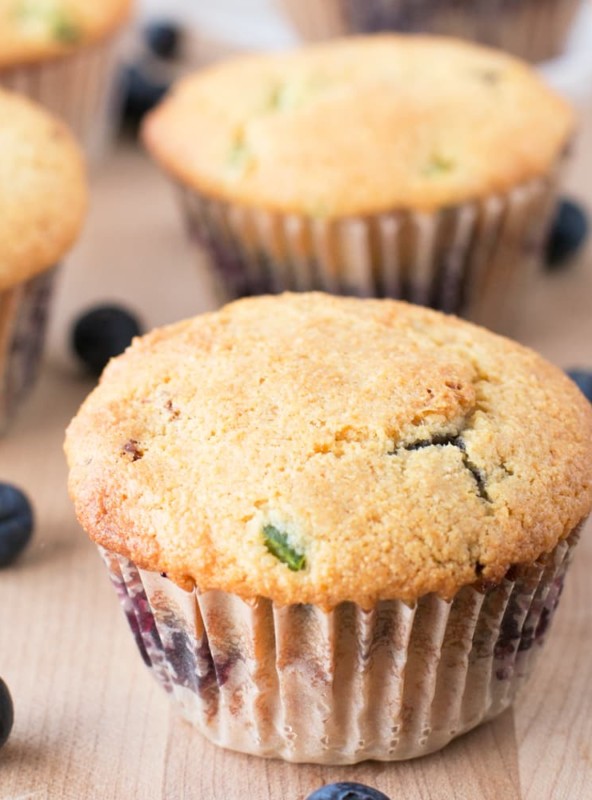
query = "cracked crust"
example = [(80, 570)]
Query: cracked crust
[(43, 194), (361, 125), (399, 450), (30, 30)]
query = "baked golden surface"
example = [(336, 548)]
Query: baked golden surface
[(361, 125), (33, 30), (309, 448), (43, 194)]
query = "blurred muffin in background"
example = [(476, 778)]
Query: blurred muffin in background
[(413, 167), (535, 30), (42, 205), (64, 53)]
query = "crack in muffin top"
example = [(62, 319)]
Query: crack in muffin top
[(33, 30), (43, 192), (361, 125), (315, 449)]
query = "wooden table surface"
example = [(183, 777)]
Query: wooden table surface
[(90, 721)]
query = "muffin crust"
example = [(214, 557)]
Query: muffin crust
[(43, 194), (361, 125), (33, 30), (397, 450)]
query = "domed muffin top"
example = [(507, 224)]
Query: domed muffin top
[(43, 193), (33, 30), (309, 448), (361, 125)]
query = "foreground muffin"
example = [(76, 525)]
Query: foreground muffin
[(419, 168), (63, 53), (535, 30), (339, 528), (42, 206)]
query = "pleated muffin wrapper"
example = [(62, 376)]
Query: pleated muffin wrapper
[(475, 260), (535, 30), (338, 687), (81, 87), (24, 313)]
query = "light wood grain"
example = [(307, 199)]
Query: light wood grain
[(90, 721)]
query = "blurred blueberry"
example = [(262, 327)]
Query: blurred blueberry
[(347, 791), (102, 333), (141, 92), (583, 380), (568, 234), (163, 38), (6, 713), (16, 523)]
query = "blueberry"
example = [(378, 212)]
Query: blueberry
[(141, 92), (568, 234), (347, 791), (583, 380), (102, 333), (163, 38), (16, 523), (6, 713)]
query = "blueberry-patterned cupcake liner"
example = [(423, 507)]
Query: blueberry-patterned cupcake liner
[(535, 30), (24, 312), (339, 687), (474, 260), (81, 87)]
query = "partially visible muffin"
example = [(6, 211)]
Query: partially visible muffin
[(403, 166), (43, 200), (63, 53), (535, 30), (310, 503), (35, 30)]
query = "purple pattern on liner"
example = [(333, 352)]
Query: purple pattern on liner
[(447, 293), (467, 276), (532, 29), (26, 339), (373, 16), (524, 628), (520, 609), (165, 645)]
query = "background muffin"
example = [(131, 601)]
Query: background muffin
[(42, 205), (63, 53), (340, 529), (408, 167), (535, 30)]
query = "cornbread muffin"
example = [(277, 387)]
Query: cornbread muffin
[(535, 30), (39, 162), (404, 166), (339, 527), (63, 54)]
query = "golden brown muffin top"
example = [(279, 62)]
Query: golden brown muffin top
[(33, 30), (43, 194), (361, 125), (316, 449)]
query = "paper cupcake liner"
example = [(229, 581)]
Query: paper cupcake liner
[(24, 312), (81, 88), (535, 30), (472, 260), (339, 687)]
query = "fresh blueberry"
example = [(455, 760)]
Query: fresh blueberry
[(6, 713), (102, 333), (568, 234), (142, 92), (347, 791), (163, 38), (16, 523), (583, 380)]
